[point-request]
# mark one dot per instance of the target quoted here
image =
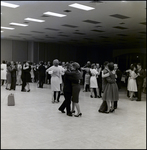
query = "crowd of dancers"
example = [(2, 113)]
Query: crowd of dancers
[(66, 79)]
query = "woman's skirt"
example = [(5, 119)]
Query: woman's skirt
[(55, 83), (111, 92), (75, 92), (132, 85), (93, 82)]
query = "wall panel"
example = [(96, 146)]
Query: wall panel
[(19, 51), (6, 50)]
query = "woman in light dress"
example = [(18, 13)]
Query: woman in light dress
[(56, 73), (19, 71), (132, 85), (3, 72), (93, 81)]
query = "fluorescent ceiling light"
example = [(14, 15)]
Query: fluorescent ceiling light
[(7, 28), (54, 14), (35, 20), (2, 31), (9, 5), (18, 24), (83, 7)]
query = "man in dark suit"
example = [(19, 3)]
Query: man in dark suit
[(119, 75), (67, 90), (139, 79), (41, 71)]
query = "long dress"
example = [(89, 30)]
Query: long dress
[(132, 85), (55, 77), (93, 80), (111, 89)]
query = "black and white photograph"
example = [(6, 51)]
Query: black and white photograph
[(73, 74)]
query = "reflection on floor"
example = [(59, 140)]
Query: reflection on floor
[(35, 123)]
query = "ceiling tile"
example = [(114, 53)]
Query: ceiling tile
[(25, 34), (104, 37), (67, 11), (122, 34), (45, 16), (52, 29), (37, 32), (91, 21), (144, 23), (79, 33), (64, 35), (142, 32), (71, 26), (119, 16), (119, 27), (97, 30), (122, 23)]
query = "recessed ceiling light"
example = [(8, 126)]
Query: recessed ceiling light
[(18, 24), (7, 28), (9, 5), (54, 14), (35, 20), (83, 7)]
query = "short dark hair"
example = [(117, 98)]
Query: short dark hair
[(106, 63), (3, 61), (132, 67), (8, 64), (111, 66)]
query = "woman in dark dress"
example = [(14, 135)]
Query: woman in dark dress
[(26, 76), (13, 75), (111, 90), (76, 75)]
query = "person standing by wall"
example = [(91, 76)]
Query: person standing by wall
[(41, 71), (27, 69), (8, 76), (144, 83), (23, 78), (119, 75), (3, 72), (141, 75), (99, 79), (13, 75)]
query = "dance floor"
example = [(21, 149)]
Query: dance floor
[(35, 122)]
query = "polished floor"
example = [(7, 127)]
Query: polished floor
[(35, 123)]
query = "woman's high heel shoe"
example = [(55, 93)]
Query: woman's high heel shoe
[(79, 115), (112, 110)]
